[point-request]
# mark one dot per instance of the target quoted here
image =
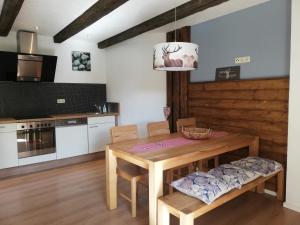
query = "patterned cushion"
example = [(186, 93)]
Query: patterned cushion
[(234, 176), (264, 167), (203, 186)]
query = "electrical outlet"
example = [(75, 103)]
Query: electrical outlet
[(242, 60), (61, 101)]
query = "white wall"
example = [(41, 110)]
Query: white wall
[(131, 80), (293, 168), (64, 73)]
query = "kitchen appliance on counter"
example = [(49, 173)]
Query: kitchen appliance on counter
[(36, 138)]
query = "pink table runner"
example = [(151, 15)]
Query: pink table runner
[(172, 143)]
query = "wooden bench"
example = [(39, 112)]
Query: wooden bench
[(187, 208)]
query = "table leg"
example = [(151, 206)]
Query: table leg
[(155, 190), (163, 214), (111, 179), (186, 219), (280, 185), (260, 188)]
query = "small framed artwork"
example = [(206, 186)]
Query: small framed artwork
[(81, 61), (228, 73)]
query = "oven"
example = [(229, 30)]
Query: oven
[(36, 138)]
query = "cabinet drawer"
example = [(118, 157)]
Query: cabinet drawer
[(37, 159), (101, 119), (4, 128)]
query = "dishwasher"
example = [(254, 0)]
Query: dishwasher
[(71, 137)]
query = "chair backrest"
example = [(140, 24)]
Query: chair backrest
[(187, 122), (158, 128), (124, 133)]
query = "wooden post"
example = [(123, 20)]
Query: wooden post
[(155, 189), (111, 179)]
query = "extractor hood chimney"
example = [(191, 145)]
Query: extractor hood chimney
[(27, 42), (29, 65)]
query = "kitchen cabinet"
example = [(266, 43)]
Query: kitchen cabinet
[(71, 140), (99, 132), (8, 66), (73, 137), (8, 146), (49, 68)]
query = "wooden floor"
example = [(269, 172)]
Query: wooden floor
[(75, 195)]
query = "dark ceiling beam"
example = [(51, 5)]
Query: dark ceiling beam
[(90, 16), (182, 11), (9, 12)]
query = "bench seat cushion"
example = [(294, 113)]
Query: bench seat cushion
[(233, 175), (203, 186), (262, 166)]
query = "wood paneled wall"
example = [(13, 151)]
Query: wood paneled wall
[(257, 107)]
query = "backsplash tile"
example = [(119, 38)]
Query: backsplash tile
[(30, 99)]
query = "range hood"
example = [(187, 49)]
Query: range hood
[(27, 63)]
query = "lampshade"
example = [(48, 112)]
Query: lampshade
[(175, 56)]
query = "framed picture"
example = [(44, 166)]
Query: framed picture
[(81, 61), (228, 73)]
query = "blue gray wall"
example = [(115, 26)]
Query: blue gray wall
[(262, 32)]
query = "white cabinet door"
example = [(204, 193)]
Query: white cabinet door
[(71, 141), (99, 136), (8, 146)]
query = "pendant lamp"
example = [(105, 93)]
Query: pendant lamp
[(175, 56)]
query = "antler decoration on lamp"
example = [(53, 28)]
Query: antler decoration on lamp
[(175, 56)]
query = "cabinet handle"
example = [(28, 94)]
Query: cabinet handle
[(2, 127), (93, 127)]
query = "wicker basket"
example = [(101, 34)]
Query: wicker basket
[(196, 133)]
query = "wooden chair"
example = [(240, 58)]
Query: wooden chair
[(191, 122), (158, 128), (124, 133), (186, 122), (129, 172)]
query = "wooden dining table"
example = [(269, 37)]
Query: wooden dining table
[(164, 152)]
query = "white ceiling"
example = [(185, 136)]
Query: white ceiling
[(52, 16)]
